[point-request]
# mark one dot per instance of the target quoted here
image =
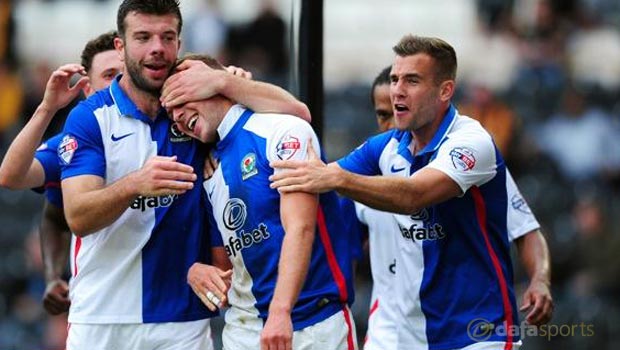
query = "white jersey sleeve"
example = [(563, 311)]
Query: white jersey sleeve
[(468, 158), (520, 220), (289, 141)]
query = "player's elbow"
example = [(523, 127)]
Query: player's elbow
[(302, 111), (78, 224), (7, 181)]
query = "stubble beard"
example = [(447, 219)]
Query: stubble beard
[(141, 82)]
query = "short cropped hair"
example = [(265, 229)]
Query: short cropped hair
[(102, 43), (206, 59), (382, 79), (150, 7), (443, 54)]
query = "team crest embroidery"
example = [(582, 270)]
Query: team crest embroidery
[(67, 148), (177, 135), (463, 158), (248, 166), (518, 203), (287, 147)]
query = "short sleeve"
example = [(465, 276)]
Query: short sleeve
[(364, 160), (289, 141), (47, 156), (468, 158), (520, 220), (81, 150)]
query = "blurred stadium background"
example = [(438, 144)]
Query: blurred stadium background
[(543, 76)]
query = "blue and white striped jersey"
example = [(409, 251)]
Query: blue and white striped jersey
[(453, 260), (246, 220), (134, 271)]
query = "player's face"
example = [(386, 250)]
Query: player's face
[(149, 49), (193, 120), (413, 91), (105, 66), (383, 107)]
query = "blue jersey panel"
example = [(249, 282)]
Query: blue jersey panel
[(47, 155)]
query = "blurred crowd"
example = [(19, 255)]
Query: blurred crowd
[(554, 112)]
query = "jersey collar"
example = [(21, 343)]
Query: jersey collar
[(235, 118), (126, 106), (439, 137)]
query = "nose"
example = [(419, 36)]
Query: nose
[(157, 45), (177, 114)]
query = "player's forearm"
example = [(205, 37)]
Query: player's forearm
[(15, 170), (298, 212), (292, 268), (90, 211), (263, 97), (534, 255), (403, 195), (55, 238)]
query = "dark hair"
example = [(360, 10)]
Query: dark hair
[(382, 79), (206, 59), (149, 7), (443, 54), (102, 43)]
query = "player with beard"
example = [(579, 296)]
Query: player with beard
[(128, 179)]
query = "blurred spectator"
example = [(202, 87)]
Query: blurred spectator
[(581, 139), (260, 46), (11, 95), (204, 30), (8, 54), (495, 116)]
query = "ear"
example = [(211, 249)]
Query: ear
[(88, 90), (446, 90), (119, 45)]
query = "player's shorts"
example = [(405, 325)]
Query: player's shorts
[(337, 332), (382, 330), (194, 335), (492, 345)]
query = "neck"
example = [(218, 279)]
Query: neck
[(424, 135), (218, 111), (146, 102)]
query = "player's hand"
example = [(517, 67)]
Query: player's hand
[(537, 301), (58, 92), (193, 81), (210, 284), (164, 176), (56, 297), (311, 176), (240, 72), (211, 164), (278, 332)]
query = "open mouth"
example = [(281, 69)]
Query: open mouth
[(191, 124), (400, 107)]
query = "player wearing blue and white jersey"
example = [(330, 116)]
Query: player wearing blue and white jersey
[(23, 167), (128, 182), (291, 266), (454, 274)]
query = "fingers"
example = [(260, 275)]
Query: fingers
[(208, 303), (286, 164), (240, 72), (311, 152)]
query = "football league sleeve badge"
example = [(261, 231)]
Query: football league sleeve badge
[(67, 148)]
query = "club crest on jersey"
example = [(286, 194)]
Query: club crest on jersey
[(287, 147), (463, 158), (248, 166), (67, 148), (177, 135)]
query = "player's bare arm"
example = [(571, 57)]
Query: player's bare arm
[(19, 169), (55, 241), (298, 214), (394, 194), (91, 206), (196, 81), (537, 300)]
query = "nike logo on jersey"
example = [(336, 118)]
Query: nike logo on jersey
[(396, 170), (118, 138)]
